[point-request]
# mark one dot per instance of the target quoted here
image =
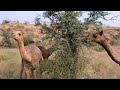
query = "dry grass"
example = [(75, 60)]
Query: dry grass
[(93, 63), (99, 66), (9, 63)]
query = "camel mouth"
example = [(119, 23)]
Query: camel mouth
[(15, 39)]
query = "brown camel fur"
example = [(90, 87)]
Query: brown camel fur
[(30, 54), (100, 38), (45, 52)]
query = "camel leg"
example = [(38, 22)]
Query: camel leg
[(22, 68), (35, 74), (27, 72), (32, 73)]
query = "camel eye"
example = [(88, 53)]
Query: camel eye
[(19, 34)]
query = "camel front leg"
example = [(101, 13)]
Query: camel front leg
[(27, 72), (35, 74), (22, 69)]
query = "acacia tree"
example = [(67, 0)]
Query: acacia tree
[(67, 24), (70, 26), (67, 30)]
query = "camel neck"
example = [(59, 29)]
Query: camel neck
[(23, 52), (115, 56), (21, 45), (22, 49)]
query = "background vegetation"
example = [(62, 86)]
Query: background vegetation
[(75, 58)]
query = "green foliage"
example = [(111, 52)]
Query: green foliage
[(94, 16), (6, 39), (59, 69), (67, 25), (68, 32), (64, 66)]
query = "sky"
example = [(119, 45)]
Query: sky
[(29, 16)]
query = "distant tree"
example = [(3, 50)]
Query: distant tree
[(37, 20), (6, 21), (93, 16)]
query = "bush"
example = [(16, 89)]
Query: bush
[(7, 39), (5, 22), (64, 66), (59, 69), (115, 39), (27, 39)]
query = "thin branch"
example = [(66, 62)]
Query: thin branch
[(112, 18)]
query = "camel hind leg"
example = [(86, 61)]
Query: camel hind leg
[(33, 72)]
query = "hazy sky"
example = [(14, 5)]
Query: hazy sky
[(29, 16)]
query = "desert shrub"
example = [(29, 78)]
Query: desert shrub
[(59, 69), (37, 20), (115, 39), (66, 30), (27, 39), (64, 66), (5, 22), (7, 39)]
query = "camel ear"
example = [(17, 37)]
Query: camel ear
[(101, 33)]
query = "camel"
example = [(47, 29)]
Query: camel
[(30, 54), (45, 52), (100, 38)]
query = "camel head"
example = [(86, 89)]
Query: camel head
[(97, 37), (18, 36)]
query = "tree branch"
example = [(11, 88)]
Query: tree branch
[(112, 18)]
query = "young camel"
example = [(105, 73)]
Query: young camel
[(45, 52), (30, 54), (100, 38)]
